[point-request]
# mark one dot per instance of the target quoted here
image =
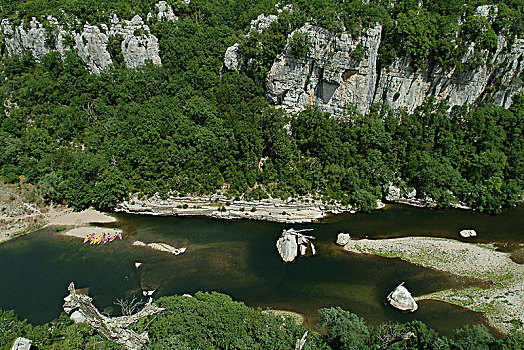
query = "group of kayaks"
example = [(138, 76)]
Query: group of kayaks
[(102, 238)]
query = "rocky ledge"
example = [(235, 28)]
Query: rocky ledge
[(222, 207)]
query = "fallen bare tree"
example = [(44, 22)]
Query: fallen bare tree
[(114, 328)]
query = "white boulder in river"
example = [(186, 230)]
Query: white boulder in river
[(342, 238), (467, 233), (401, 299), (288, 244)]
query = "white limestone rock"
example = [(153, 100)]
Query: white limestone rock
[(232, 58), (22, 344), (164, 12), (287, 247), (328, 76), (342, 238), (468, 233), (401, 299), (78, 317), (392, 193), (138, 45)]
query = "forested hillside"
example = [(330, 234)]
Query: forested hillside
[(182, 126), (215, 321)]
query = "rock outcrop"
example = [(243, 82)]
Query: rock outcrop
[(401, 299), (114, 328), (161, 247), (292, 242), (331, 75), (393, 193), (468, 233), (342, 238), (22, 344), (137, 44), (339, 70)]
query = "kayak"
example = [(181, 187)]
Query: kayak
[(96, 239), (88, 238), (120, 235), (113, 238), (101, 238)]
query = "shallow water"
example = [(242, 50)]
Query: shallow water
[(240, 258)]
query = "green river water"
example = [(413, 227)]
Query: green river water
[(239, 258)]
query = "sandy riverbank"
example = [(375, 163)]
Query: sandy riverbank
[(70, 218), (78, 223), (219, 206), (52, 216), (502, 303)]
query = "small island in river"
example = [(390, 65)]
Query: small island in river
[(502, 302)]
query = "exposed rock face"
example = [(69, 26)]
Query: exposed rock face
[(164, 12), (401, 86), (341, 70), (401, 299), (342, 238), (232, 58), (405, 195), (392, 192), (330, 76), (138, 44)]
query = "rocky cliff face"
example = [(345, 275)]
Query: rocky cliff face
[(329, 76), (138, 45), (340, 70)]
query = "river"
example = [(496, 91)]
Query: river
[(239, 258)]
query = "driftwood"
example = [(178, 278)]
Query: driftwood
[(114, 328), (301, 342)]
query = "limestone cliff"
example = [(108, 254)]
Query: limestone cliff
[(338, 70), (138, 45)]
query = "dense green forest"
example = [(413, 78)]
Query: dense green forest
[(215, 321), (92, 139)]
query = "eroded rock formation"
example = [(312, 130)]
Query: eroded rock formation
[(342, 70), (401, 299), (114, 328), (292, 242), (137, 44), (161, 247), (342, 238)]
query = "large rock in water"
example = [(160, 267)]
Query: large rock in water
[(291, 241), (468, 233), (342, 238), (287, 246), (401, 299)]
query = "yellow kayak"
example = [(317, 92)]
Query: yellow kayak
[(96, 239), (89, 237)]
